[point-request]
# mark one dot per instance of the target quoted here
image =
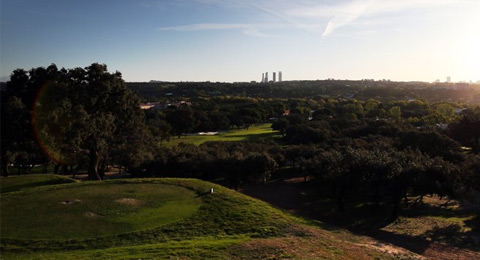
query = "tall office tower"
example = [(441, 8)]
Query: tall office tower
[(274, 76), (266, 76), (279, 76), (449, 79), (263, 77)]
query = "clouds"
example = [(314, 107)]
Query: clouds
[(344, 13), (254, 30), (206, 26), (322, 17)]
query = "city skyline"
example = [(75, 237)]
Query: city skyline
[(231, 41)]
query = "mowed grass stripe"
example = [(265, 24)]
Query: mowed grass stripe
[(256, 132)]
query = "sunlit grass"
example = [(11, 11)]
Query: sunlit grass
[(256, 132)]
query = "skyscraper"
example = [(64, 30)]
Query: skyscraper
[(266, 76), (263, 77), (274, 77), (279, 76)]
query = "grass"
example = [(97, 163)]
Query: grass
[(435, 220), (15, 183), (170, 219), (172, 210), (88, 211), (256, 132), (205, 248)]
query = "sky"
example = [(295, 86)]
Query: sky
[(238, 40)]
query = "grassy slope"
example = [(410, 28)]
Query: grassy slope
[(15, 183), (253, 133), (227, 225), (442, 220)]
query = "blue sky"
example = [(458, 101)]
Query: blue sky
[(200, 40)]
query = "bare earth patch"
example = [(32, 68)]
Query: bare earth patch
[(129, 201), (313, 243), (90, 214), (70, 202), (392, 250)]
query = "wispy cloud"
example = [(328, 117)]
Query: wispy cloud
[(206, 26), (247, 29), (343, 13), (310, 15)]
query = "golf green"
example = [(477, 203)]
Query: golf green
[(90, 211)]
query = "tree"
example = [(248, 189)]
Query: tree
[(220, 120), (18, 145), (160, 129), (467, 131), (259, 167), (181, 120), (89, 111), (395, 113), (16, 133), (280, 125)]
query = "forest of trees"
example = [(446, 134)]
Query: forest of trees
[(361, 90), (379, 141)]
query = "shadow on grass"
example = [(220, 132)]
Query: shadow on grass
[(314, 203), (415, 244)]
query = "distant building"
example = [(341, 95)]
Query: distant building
[(449, 79), (275, 79)]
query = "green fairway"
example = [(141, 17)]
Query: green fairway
[(15, 183), (257, 132)]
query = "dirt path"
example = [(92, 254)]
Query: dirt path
[(292, 195)]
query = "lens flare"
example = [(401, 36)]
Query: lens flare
[(45, 127)]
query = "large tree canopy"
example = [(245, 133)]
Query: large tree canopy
[(88, 112)]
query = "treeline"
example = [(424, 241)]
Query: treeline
[(362, 90), (222, 113)]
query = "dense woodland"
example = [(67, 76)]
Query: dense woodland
[(378, 140)]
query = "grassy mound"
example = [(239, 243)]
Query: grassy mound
[(89, 211), (15, 183), (165, 219)]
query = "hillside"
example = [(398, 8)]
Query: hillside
[(166, 219)]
